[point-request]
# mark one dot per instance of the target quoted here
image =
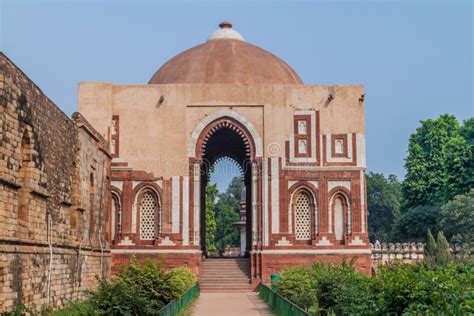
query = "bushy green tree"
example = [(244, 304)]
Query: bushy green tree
[(443, 255), (139, 289), (438, 162), (430, 249), (418, 289), (296, 284), (467, 131), (228, 213), (331, 281), (457, 219), (211, 224), (383, 202), (398, 289), (412, 224)]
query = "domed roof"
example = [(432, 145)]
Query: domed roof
[(226, 58)]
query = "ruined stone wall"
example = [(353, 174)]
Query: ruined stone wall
[(387, 253), (409, 252), (53, 198)]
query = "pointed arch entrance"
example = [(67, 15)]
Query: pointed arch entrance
[(226, 136)]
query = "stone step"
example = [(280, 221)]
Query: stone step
[(227, 291), (221, 267), (230, 285), (224, 270), (225, 273), (224, 288), (226, 265), (229, 267), (226, 281), (225, 261)]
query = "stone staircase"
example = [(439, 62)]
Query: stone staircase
[(226, 275)]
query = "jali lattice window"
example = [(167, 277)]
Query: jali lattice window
[(303, 217), (148, 207)]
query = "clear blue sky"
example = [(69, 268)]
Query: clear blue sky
[(414, 57)]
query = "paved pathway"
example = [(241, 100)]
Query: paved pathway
[(241, 304)]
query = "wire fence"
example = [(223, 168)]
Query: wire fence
[(174, 307), (280, 305)]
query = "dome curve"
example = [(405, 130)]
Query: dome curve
[(226, 58)]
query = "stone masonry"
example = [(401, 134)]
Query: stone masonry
[(54, 198)]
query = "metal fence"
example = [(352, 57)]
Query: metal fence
[(280, 305), (174, 307)]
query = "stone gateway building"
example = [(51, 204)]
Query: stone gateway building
[(128, 174), (301, 148)]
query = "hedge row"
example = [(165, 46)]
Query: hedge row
[(399, 289)]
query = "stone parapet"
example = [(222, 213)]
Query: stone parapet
[(409, 252)]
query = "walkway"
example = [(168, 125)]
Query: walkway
[(241, 304)]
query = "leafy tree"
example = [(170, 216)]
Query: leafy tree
[(438, 162), (457, 219), (443, 255), (413, 223), (430, 245), (228, 213), (211, 224), (383, 201)]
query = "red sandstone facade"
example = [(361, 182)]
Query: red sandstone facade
[(301, 149)]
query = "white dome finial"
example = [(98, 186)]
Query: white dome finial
[(226, 32)]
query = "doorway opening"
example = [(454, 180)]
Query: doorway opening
[(226, 142), (225, 210)]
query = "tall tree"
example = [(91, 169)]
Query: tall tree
[(443, 254), (383, 202), (457, 219), (430, 249), (413, 223), (467, 131), (211, 224), (437, 163), (228, 213)]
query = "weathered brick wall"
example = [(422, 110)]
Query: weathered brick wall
[(52, 170)]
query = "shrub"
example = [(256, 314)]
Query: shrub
[(359, 297), (337, 285), (180, 280), (140, 289), (296, 284), (75, 308), (418, 289), (119, 298), (399, 289)]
